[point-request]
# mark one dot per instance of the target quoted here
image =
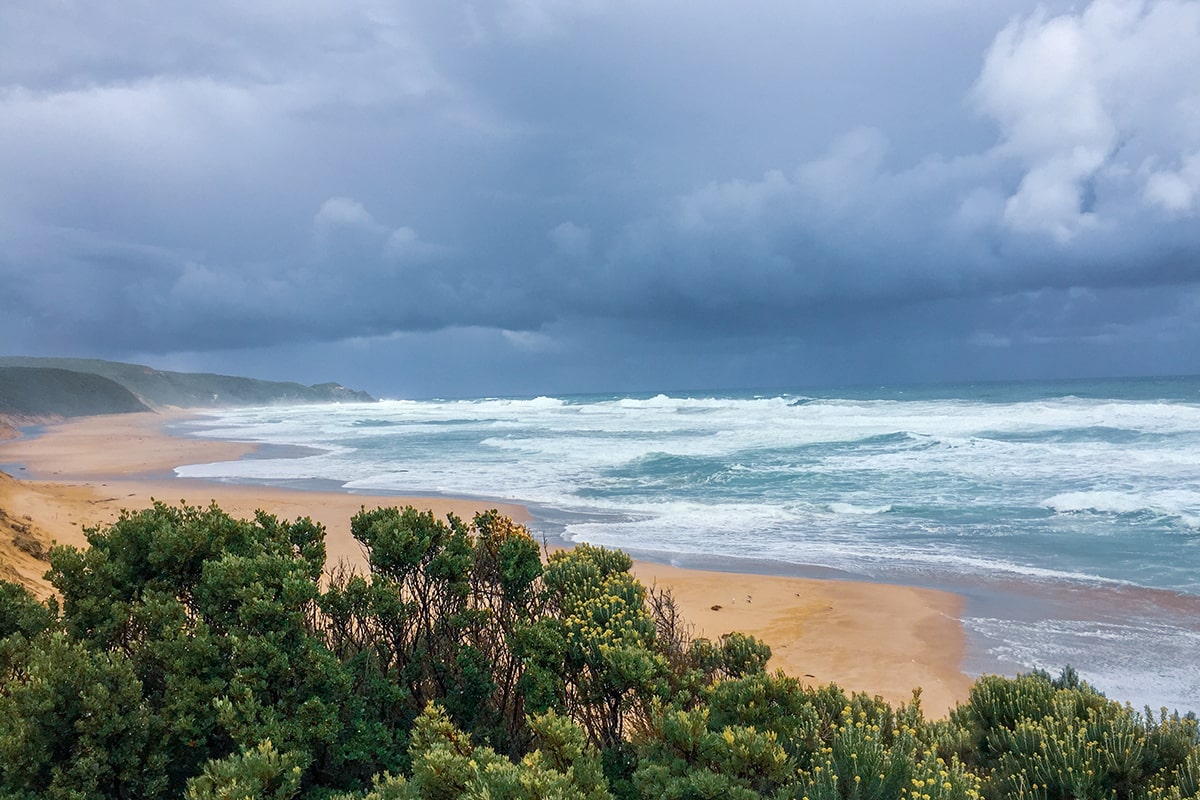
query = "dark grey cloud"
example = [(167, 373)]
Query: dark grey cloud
[(541, 193)]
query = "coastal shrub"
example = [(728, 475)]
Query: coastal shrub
[(603, 643), (775, 703), (1037, 737), (695, 663), (439, 617), (874, 751), (768, 736), (21, 613), (259, 773), (685, 757), (232, 641), (193, 654), (73, 724), (1181, 783), (447, 765)]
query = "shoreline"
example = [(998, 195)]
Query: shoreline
[(880, 638)]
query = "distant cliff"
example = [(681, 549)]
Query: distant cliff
[(33, 387)]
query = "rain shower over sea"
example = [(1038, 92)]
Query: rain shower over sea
[(1068, 514)]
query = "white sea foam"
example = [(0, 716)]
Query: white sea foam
[(1143, 662), (1180, 504), (850, 478), (853, 510), (1061, 490)]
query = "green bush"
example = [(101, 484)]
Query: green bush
[(198, 655)]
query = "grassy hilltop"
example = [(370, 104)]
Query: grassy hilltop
[(67, 387), (37, 392)]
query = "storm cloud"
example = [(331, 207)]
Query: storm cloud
[(530, 196)]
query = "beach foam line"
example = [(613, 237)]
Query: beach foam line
[(870, 637)]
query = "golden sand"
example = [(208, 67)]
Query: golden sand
[(870, 637)]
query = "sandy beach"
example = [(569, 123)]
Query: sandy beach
[(870, 637)]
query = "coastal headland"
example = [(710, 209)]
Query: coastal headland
[(882, 639)]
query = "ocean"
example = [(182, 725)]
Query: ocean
[(1067, 513)]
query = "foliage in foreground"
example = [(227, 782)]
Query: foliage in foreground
[(195, 655)]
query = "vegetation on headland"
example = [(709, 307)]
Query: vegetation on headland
[(154, 387), (189, 654), (32, 392)]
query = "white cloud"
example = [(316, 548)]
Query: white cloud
[(779, 168), (403, 244), (344, 212), (571, 240), (152, 129), (847, 171), (347, 234), (1176, 191), (1083, 98), (1050, 196), (537, 19), (532, 341)]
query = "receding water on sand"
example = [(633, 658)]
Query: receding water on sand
[(1139, 645)]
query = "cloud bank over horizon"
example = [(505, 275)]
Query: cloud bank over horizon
[(528, 196)]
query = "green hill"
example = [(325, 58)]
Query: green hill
[(161, 388), (42, 392)]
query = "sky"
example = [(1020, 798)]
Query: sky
[(517, 197)]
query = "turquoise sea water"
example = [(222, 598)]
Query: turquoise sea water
[(1067, 513)]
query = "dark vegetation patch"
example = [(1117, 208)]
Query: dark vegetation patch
[(49, 392), (189, 654)]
